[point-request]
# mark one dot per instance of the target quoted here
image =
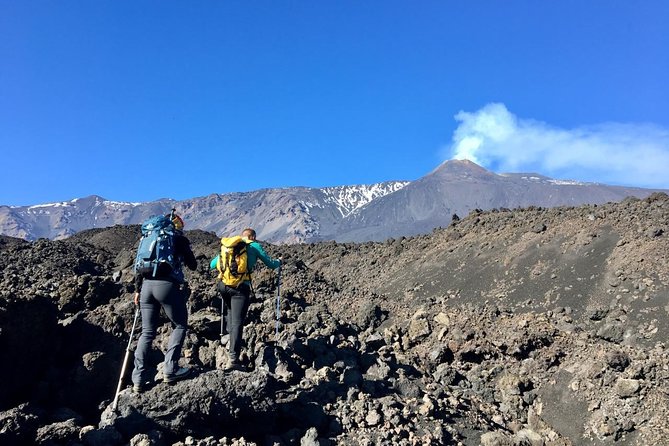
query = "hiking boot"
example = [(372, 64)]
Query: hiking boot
[(141, 388), (181, 373), (234, 365)]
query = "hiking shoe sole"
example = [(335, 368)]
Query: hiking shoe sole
[(181, 374)]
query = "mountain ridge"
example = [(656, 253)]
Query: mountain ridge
[(458, 187), (62, 219), (342, 213)]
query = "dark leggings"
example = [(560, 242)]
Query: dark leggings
[(154, 294), (236, 301)]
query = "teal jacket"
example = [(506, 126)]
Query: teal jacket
[(254, 252)]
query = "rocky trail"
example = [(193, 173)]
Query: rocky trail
[(529, 326)]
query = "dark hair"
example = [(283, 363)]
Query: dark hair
[(251, 233)]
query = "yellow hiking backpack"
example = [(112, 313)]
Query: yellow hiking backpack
[(233, 263)]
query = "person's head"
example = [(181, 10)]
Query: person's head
[(249, 234), (177, 222)]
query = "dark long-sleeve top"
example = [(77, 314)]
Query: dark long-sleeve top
[(186, 257)]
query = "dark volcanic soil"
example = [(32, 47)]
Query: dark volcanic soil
[(510, 327)]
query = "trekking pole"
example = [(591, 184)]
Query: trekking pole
[(222, 318), (125, 361), (278, 301)]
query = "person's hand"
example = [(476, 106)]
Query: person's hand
[(136, 299)]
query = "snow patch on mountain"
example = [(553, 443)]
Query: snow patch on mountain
[(536, 178), (121, 203), (99, 201), (349, 198), (48, 205), (308, 205), (568, 183)]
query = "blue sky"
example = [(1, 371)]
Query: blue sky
[(138, 100)]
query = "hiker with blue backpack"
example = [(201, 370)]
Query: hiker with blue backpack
[(235, 264), (159, 279)]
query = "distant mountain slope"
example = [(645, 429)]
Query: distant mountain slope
[(458, 187), (59, 220), (342, 213), (282, 215)]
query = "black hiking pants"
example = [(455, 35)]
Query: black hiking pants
[(154, 295), (236, 301)]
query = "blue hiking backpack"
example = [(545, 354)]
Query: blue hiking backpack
[(156, 249)]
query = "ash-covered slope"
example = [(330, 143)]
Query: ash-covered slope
[(458, 187), (534, 326)]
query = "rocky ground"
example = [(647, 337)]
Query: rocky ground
[(510, 327)]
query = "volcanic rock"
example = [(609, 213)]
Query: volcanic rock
[(526, 326)]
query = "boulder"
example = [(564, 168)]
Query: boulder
[(217, 402)]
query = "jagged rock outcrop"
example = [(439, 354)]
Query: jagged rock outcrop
[(211, 403)]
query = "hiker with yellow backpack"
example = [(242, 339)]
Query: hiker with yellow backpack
[(235, 264)]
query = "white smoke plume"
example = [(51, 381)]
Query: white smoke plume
[(613, 153)]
